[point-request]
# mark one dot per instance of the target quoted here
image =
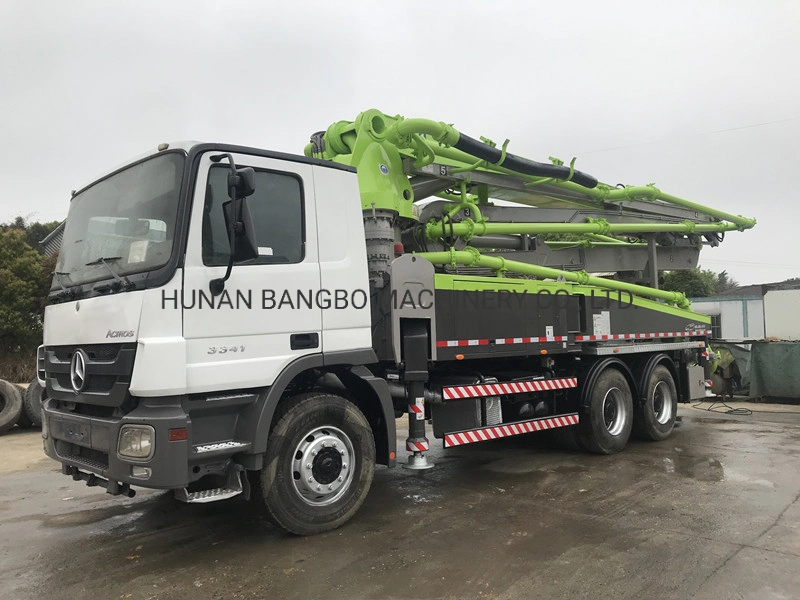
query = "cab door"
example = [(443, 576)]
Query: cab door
[(268, 315)]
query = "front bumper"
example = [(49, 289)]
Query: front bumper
[(90, 443)]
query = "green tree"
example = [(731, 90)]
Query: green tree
[(695, 283), (22, 291), (35, 232), (724, 283)]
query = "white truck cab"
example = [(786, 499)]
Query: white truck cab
[(155, 380)]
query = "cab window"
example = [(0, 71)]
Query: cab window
[(277, 211)]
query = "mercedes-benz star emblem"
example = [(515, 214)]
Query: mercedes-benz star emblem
[(77, 370)]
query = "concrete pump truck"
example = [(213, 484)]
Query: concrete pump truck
[(228, 320)]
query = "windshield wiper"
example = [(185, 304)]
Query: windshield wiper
[(103, 260), (119, 282), (65, 292)]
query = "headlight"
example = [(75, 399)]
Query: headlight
[(136, 441)]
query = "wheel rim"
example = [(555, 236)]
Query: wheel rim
[(615, 413), (662, 402), (322, 468)]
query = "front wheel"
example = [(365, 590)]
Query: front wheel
[(607, 427), (319, 464), (655, 418)]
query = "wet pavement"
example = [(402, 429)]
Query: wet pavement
[(711, 513)]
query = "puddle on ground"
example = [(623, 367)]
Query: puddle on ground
[(704, 468), (693, 467), (739, 477), (713, 420), (122, 512), (515, 466)]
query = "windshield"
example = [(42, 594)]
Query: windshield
[(127, 220)]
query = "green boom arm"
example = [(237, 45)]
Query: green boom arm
[(380, 146), (470, 257)]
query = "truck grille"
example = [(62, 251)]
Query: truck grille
[(109, 368), (98, 352)]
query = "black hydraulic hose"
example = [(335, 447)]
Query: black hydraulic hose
[(521, 165)]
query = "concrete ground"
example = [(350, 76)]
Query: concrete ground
[(712, 513)]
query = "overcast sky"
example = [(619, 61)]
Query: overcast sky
[(701, 98)]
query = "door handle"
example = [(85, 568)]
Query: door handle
[(301, 341)]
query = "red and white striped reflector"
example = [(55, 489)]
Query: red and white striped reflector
[(563, 338), (501, 389), (500, 431), (417, 446), (640, 336), (501, 341), (416, 408)]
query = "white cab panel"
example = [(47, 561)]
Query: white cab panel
[(245, 339), (100, 320), (343, 259), (160, 367), (142, 317)]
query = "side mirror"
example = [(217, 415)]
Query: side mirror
[(242, 182), (245, 245), (238, 220)]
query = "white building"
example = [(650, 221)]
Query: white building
[(754, 312)]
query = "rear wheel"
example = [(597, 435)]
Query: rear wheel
[(10, 405), (655, 418), (607, 427), (319, 464)]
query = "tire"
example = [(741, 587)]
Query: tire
[(321, 441), (34, 396), (10, 405), (23, 421), (655, 418), (607, 426)]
